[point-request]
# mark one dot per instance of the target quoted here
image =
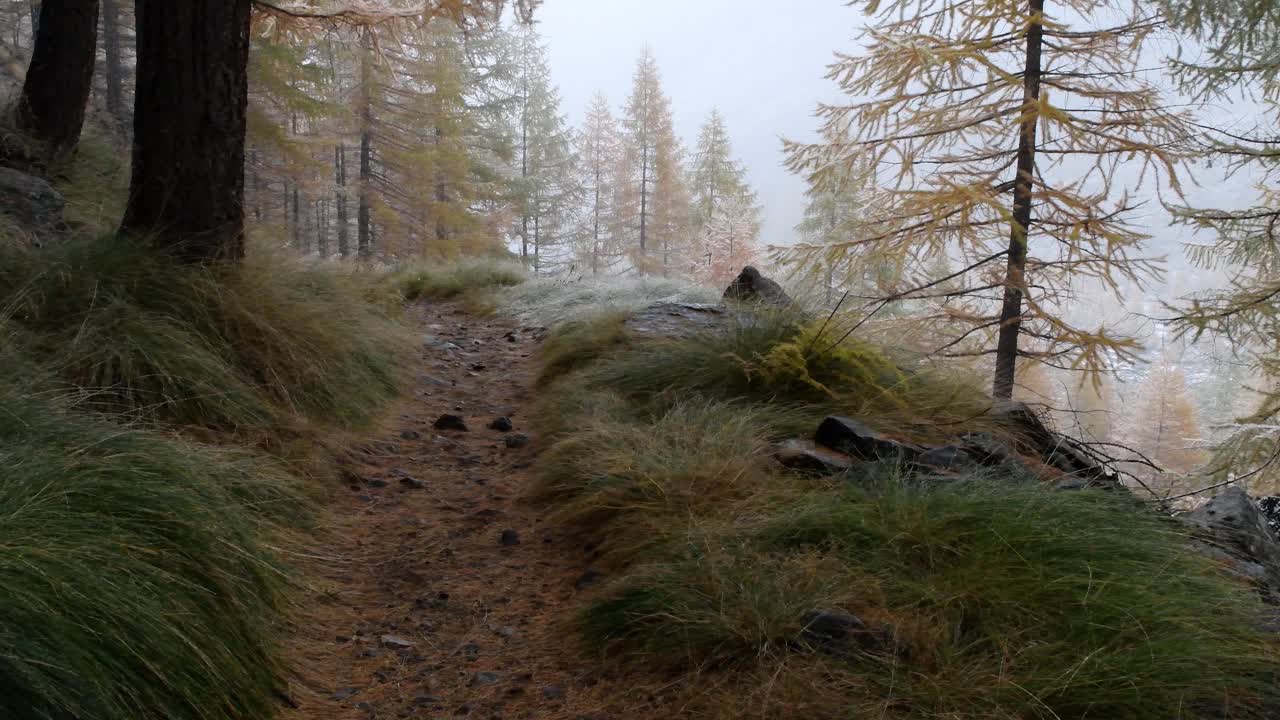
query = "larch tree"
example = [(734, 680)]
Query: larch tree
[(59, 79), (650, 150), (997, 129), (1236, 51), (1165, 427), (599, 151), (725, 214), (547, 190), (825, 252)]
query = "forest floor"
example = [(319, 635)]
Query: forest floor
[(442, 593)]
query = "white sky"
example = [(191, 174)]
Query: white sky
[(760, 61)]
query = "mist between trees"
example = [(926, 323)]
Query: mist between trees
[(980, 185)]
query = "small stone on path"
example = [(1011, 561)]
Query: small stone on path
[(517, 440), (450, 422), (509, 537), (502, 424)]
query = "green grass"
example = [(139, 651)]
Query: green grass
[(436, 281), (138, 582), (1002, 598), (242, 350)]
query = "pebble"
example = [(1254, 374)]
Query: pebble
[(509, 537)]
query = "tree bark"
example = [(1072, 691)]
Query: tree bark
[(189, 127), (340, 198), (60, 76), (1014, 281), (364, 231), (113, 66)]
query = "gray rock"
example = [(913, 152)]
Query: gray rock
[(678, 319), (837, 631), (395, 642), (806, 457), (412, 483), (502, 424), (553, 692), (450, 422), (1236, 531), (751, 286), (509, 537), (859, 441), (31, 201), (483, 678), (1059, 451), (947, 457), (410, 435), (516, 440), (345, 693)]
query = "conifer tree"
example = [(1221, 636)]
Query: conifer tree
[(970, 110), (547, 190), (597, 246), (729, 239), (1234, 49), (671, 208), (726, 216), (650, 151), (1165, 428)]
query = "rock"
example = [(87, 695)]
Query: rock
[(502, 424), (678, 319), (587, 579), (859, 441), (553, 692), (450, 422), (835, 630), (806, 457), (395, 642), (516, 440), (985, 449), (481, 679), (471, 651), (345, 693), (506, 631), (947, 457), (509, 537), (377, 482), (410, 435), (412, 483), (1058, 451), (751, 286), (31, 201), (1236, 530)]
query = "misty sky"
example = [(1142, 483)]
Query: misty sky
[(760, 62)]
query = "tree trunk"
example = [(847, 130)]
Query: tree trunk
[(340, 198), (1014, 281), (60, 76), (113, 61), (189, 127), (364, 236)]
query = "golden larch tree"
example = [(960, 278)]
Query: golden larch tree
[(997, 129)]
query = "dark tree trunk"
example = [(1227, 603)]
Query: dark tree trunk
[(189, 127), (364, 231), (340, 198), (113, 66), (60, 76), (1023, 186)]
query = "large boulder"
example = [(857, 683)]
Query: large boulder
[(858, 441), (1236, 531), (31, 202), (751, 286)]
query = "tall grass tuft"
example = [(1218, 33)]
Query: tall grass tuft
[(137, 582), (436, 281), (235, 350)]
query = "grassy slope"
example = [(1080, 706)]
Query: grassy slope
[(1006, 600), (142, 572)]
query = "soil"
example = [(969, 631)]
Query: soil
[(444, 593)]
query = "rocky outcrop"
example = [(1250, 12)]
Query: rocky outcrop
[(861, 442), (1235, 530), (678, 319), (751, 286), (1033, 437), (31, 202)]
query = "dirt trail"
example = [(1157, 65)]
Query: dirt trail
[(426, 604)]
